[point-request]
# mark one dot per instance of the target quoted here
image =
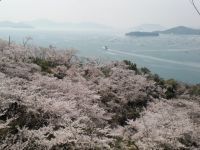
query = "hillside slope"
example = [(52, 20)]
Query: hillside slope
[(51, 99)]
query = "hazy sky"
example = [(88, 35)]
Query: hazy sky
[(116, 13)]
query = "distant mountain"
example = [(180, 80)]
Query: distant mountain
[(149, 28), (48, 24), (181, 30), (9, 24)]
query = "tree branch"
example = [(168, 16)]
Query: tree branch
[(194, 5)]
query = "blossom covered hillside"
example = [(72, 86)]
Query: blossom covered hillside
[(51, 100)]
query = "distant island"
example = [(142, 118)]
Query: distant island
[(9, 24), (179, 30), (142, 34)]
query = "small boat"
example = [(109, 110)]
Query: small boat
[(105, 47)]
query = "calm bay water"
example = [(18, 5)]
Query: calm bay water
[(170, 56)]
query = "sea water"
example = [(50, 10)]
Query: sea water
[(170, 56)]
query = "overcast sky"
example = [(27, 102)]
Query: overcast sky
[(116, 13)]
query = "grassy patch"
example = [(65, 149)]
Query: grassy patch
[(195, 90), (145, 70), (45, 65), (4, 132), (106, 71), (132, 66), (171, 86), (59, 75), (120, 144), (122, 111), (171, 83)]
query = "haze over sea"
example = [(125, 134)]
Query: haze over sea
[(170, 56)]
